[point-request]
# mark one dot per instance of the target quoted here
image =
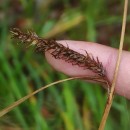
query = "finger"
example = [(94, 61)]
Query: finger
[(106, 55)]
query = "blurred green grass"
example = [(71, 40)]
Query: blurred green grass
[(73, 105)]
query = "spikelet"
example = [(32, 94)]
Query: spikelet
[(58, 51)]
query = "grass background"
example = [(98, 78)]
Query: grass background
[(73, 105)]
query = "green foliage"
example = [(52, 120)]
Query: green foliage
[(71, 105)]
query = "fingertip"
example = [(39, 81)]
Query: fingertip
[(93, 49)]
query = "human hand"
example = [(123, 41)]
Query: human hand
[(106, 55)]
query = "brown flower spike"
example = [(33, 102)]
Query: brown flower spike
[(58, 51)]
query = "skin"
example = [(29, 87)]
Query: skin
[(106, 55)]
